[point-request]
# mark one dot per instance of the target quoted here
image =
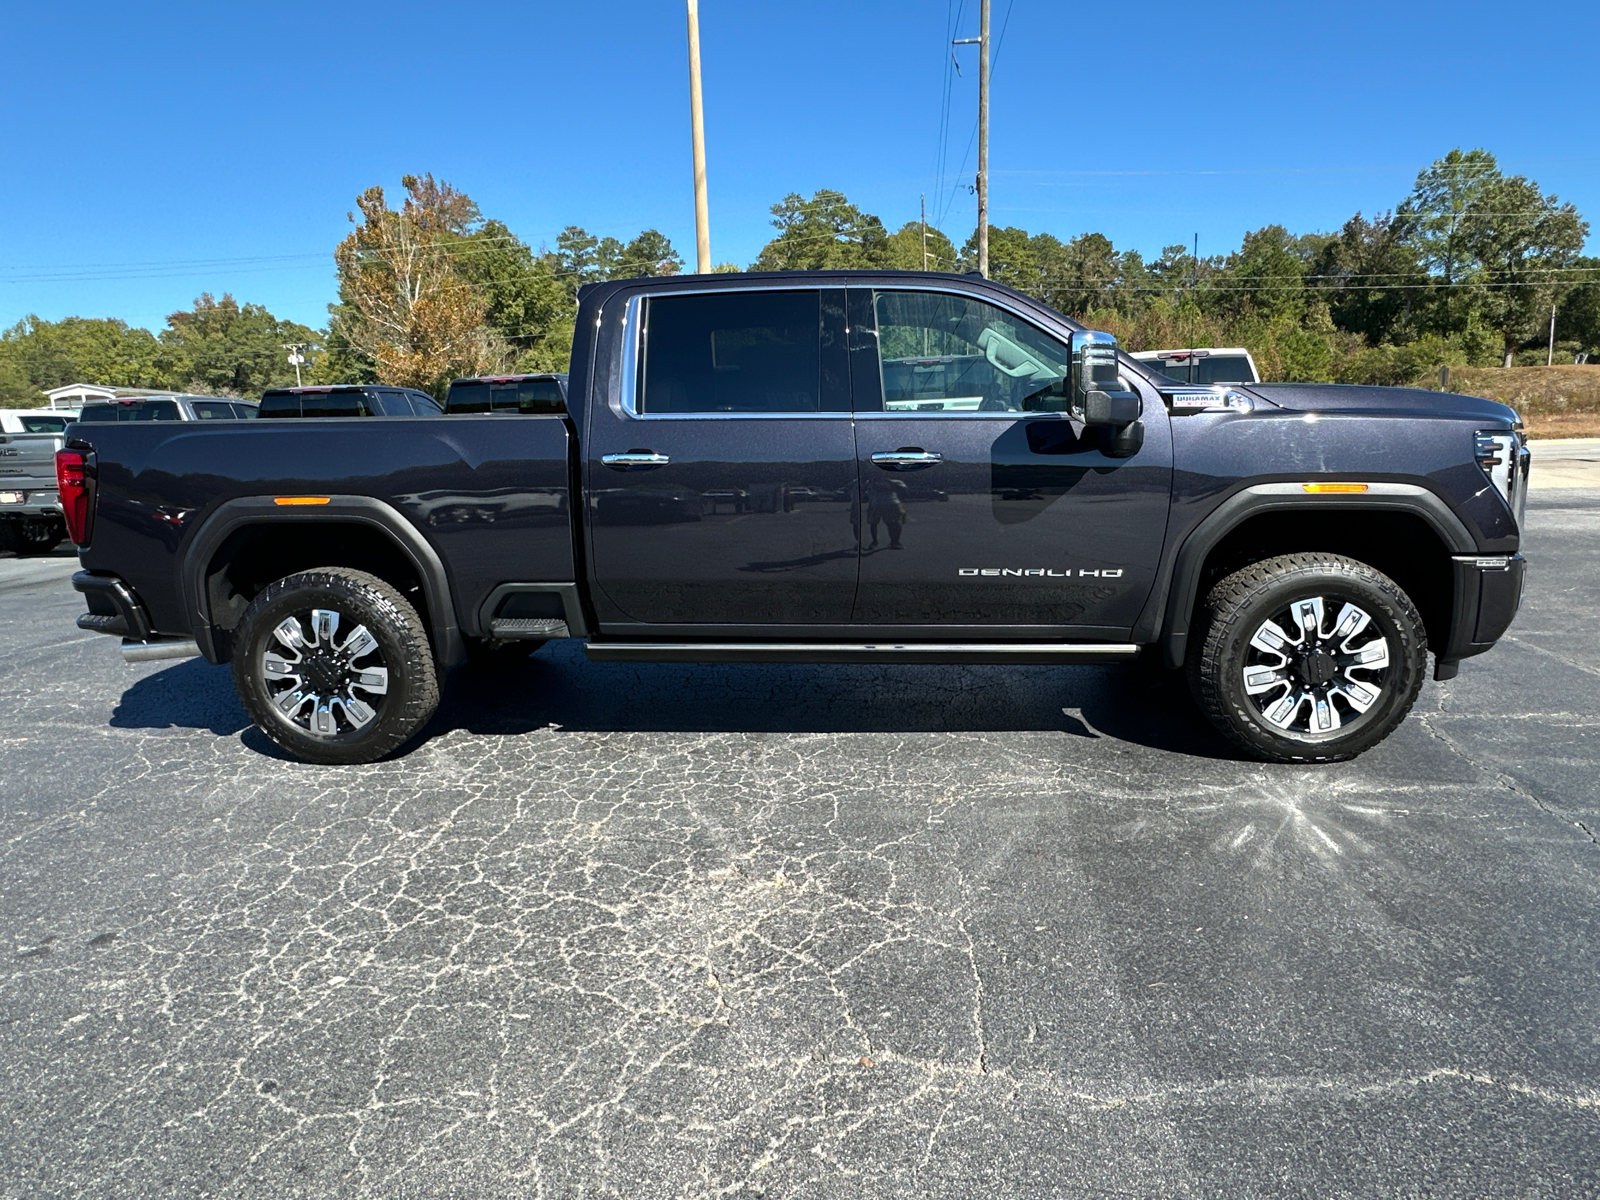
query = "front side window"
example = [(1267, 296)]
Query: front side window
[(212, 410), (732, 352), (941, 352), (43, 424)]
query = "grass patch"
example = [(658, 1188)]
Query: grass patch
[(1555, 402)]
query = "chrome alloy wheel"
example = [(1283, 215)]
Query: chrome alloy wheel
[(314, 675), (1310, 676)]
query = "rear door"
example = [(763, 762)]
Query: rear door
[(720, 482), (983, 504)]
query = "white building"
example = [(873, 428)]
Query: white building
[(75, 395)]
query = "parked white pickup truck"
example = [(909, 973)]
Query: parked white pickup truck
[(1204, 366)]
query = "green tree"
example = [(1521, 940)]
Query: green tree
[(1579, 319), (904, 251), (40, 354), (649, 254), (1267, 275), (528, 307), (1525, 244), (225, 348), (826, 232), (1433, 220), (1372, 279)]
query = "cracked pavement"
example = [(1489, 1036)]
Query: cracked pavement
[(681, 931)]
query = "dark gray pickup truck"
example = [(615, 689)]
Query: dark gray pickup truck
[(823, 467)]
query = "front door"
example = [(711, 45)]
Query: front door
[(983, 505), (722, 491)]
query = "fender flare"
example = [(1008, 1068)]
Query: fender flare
[(1182, 593), (233, 515)]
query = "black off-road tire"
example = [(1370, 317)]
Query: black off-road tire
[(1237, 608), (403, 649), (28, 536)]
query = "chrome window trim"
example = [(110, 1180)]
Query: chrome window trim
[(1010, 414), (633, 335)]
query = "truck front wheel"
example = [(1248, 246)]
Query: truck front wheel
[(1307, 657), (334, 665)]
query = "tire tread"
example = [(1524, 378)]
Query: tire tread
[(1228, 602)]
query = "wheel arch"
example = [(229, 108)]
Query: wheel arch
[(348, 531), (1382, 527)]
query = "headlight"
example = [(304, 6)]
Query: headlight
[(1504, 458)]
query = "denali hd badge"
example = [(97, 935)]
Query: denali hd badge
[(1049, 572)]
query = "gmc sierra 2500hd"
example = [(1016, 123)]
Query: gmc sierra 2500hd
[(823, 467)]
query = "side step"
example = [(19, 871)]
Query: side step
[(869, 652), (524, 628)]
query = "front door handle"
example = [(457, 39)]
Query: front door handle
[(907, 458), (635, 460)]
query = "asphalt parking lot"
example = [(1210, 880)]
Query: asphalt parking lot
[(801, 931)]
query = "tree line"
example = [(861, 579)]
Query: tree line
[(1465, 270)]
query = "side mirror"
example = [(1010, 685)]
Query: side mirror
[(1096, 393)]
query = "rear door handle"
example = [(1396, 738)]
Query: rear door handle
[(907, 458), (635, 460)]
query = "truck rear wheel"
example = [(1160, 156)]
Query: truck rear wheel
[(31, 535), (334, 665), (1307, 657)]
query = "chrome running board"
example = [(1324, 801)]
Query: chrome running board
[(866, 652)]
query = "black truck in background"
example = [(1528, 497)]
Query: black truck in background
[(823, 467)]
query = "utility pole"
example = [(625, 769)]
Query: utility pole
[(1550, 357), (296, 358), (983, 141), (983, 133), (702, 218), (924, 231)]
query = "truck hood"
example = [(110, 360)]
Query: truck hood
[(1379, 401)]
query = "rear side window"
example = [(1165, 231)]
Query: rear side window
[(468, 396), (392, 404), (279, 404), (98, 412), (213, 410), (732, 352)]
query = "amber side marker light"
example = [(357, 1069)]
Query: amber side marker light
[(302, 499), (1310, 487)]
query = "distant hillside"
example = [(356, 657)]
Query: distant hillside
[(1555, 402)]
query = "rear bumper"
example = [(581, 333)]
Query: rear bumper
[(1488, 592), (34, 501), (113, 608)]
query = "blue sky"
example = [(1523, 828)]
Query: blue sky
[(155, 151)]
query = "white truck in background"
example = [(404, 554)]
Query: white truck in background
[(1203, 366)]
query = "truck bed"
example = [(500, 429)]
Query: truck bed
[(488, 494)]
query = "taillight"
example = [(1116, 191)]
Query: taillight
[(72, 483)]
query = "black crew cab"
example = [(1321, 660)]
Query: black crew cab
[(824, 467)]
